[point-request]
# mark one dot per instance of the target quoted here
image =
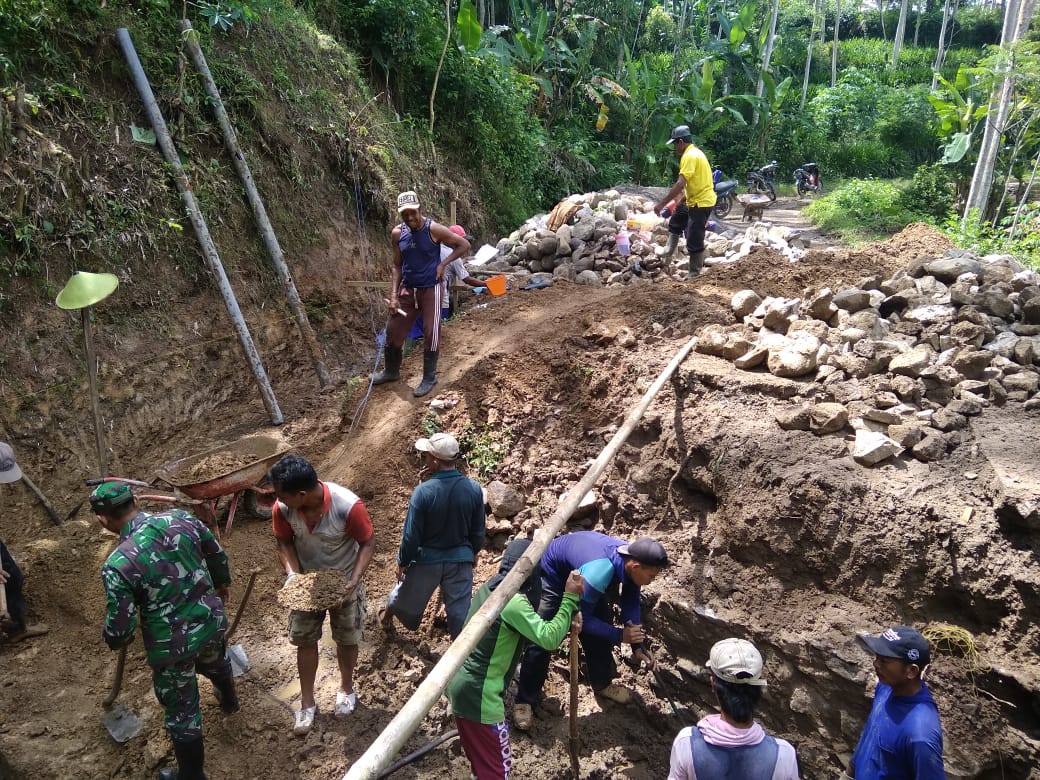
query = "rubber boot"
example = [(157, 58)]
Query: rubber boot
[(671, 246), (696, 264), (429, 374), (391, 366), (191, 758), (227, 696)]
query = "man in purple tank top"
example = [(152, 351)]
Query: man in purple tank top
[(416, 288)]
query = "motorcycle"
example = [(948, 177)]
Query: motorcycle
[(807, 179), (724, 193), (760, 180)]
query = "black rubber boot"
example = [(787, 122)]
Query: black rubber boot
[(671, 246), (696, 264), (429, 374), (227, 696), (391, 366), (191, 758)]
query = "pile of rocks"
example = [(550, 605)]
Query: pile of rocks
[(584, 249), (904, 361)]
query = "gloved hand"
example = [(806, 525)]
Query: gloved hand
[(479, 290), (290, 577), (666, 213)]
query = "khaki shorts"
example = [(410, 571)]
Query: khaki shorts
[(347, 623)]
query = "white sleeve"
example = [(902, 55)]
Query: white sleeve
[(786, 761), (456, 272), (446, 252), (681, 762)]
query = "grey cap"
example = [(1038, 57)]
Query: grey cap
[(680, 133)]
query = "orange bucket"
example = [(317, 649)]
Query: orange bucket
[(496, 284)]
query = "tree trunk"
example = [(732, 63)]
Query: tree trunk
[(808, 53), (767, 56), (897, 40), (1017, 15), (917, 24), (834, 53), (881, 14), (440, 64), (940, 53)]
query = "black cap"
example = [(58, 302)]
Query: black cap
[(680, 133), (647, 551), (902, 642)]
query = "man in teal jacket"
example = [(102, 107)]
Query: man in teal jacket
[(476, 691), (443, 533)]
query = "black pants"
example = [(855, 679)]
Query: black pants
[(693, 222), (13, 587), (599, 653)]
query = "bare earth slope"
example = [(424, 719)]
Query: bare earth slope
[(777, 536)]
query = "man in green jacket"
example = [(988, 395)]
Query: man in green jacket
[(476, 691), (171, 573)]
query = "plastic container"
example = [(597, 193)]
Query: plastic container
[(624, 245), (496, 284), (642, 222)]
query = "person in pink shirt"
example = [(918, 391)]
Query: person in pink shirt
[(730, 745)]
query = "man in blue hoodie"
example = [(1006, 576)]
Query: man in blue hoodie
[(614, 572), (903, 737)]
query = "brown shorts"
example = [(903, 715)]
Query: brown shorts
[(347, 623)]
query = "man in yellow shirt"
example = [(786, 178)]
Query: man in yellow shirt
[(698, 199)]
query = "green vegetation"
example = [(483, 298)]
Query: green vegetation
[(536, 100), (484, 447)]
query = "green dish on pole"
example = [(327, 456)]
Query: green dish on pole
[(85, 289)]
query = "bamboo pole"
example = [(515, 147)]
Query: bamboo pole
[(401, 727), (274, 249), (209, 249)]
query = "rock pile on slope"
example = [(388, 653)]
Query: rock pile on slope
[(578, 243), (904, 361)]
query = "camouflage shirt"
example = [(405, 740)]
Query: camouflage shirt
[(166, 567)]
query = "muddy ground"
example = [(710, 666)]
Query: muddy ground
[(777, 536)]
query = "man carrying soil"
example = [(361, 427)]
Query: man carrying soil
[(476, 691), (443, 532), (903, 736), (171, 569), (614, 571), (322, 525), (694, 207), (416, 288), (731, 744), (13, 627)]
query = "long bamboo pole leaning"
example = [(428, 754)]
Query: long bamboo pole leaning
[(209, 249), (397, 731), (274, 249)]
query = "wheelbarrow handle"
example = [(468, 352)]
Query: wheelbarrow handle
[(100, 480)]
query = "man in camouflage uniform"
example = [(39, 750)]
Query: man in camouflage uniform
[(169, 568)]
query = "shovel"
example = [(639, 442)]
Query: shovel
[(573, 741), (118, 719), (236, 653)]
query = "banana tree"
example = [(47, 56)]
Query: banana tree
[(959, 114)]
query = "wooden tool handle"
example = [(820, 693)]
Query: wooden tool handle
[(242, 604), (117, 680), (574, 703)]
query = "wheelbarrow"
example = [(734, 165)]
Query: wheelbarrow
[(237, 469)]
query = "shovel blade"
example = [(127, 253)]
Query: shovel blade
[(239, 660), (121, 723)]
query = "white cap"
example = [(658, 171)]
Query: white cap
[(443, 446), (736, 661)]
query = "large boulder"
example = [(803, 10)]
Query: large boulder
[(947, 269), (872, 447), (912, 362), (827, 418), (504, 500)]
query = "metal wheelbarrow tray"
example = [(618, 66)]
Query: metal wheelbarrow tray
[(230, 469)]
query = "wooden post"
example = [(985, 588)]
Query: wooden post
[(452, 219), (198, 222), (95, 401), (274, 249)]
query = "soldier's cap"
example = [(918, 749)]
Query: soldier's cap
[(110, 495), (407, 201), (9, 471)]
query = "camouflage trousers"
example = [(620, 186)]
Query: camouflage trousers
[(177, 688)]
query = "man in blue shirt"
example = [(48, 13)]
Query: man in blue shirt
[(903, 737), (614, 572), (443, 533)]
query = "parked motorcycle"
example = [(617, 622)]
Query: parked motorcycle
[(807, 179), (760, 180), (724, 193)]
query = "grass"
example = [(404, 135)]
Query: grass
[(484, 448)]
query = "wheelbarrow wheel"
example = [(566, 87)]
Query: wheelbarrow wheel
[(256, 506)]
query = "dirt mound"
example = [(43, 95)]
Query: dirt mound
[(777, 536)]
